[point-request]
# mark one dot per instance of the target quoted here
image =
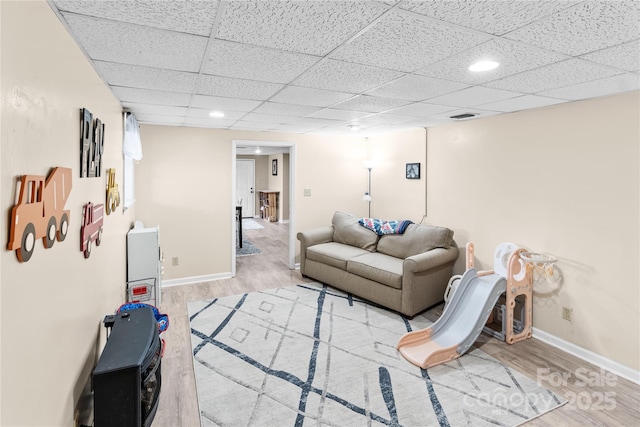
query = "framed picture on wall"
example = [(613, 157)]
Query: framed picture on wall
[(413, 171), (274, 167)]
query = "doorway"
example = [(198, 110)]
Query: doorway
[(245, 186), (247, 147)]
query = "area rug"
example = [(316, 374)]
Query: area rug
[(311, 355), (251, 224), (247, 248)]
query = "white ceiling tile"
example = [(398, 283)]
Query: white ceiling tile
[(247, 125), (165, 110), (208, 122), (420, 109), (285, 109), (494, 17), (255, 63), (200, 113), (589, 26), (475, 95), (315, 27), (269, 118), (292, 128), (607, 86), (427, 122), (513, 57), (416, 88), (553, 76), (147, 78), (148, 96), (314, 122), (236, 88), (193, 17), (224, 104), (345, 76), (521, 103), (137, 45), (332, 113), (382, 119), (158, 119), (625, 56), (407, 42), (371, 104), (309, 96)]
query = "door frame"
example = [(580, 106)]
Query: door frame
[(292, 194)]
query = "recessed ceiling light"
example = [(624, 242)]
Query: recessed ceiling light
[(484, 66), (216, 114), (354, 128), (258, 150)]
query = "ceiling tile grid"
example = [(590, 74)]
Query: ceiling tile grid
[(416, 88), (514, 57), (553, 76), (255, 63), (318, 66), (236, 88), (493, 17), (407, 42), (588, 26), (315, 27), (138, 45), (147, 78), (346, 76), (309, 96)]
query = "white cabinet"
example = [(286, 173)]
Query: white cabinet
[(144, 265)]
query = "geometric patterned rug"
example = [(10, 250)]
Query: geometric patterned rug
[(313, 355), (247, 248), (250, 224)]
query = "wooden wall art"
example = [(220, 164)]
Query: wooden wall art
[(91, 230), (113, 195), (91, 144), (39, 212)]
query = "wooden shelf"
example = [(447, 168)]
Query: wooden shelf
[(269, 205)]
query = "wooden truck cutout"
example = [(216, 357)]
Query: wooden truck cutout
[(39, 212), (91, 230), (113, 195)]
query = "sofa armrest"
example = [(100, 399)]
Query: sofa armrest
[(427, 260), (313, 236), (425, 277)]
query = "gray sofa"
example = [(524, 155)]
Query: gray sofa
[(407, 273)]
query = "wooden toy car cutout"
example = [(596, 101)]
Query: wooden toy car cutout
[(39, 212), (91, 230), (113, 195)]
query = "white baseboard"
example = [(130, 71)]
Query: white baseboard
[(194, 279), (589, 356)]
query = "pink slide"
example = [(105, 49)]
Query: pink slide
[(460, 324)]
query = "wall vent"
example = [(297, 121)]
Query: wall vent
[(463, 116)]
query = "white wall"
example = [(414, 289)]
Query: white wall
[(52, 306), (561, 180)]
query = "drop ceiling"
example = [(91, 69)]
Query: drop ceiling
[(320, 66)]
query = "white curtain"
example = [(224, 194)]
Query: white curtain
[(131, 147), (132, 153)]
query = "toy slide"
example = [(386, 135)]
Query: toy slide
[(460, 324)]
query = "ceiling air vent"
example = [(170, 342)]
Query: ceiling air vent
[(463, 116)]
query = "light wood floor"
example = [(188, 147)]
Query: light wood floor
[(607, 401)]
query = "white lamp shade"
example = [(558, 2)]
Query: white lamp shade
[(366, 198)]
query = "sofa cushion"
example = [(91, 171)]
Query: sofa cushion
[(378, 267), (417, 238), (347, 230), (333, 254)]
